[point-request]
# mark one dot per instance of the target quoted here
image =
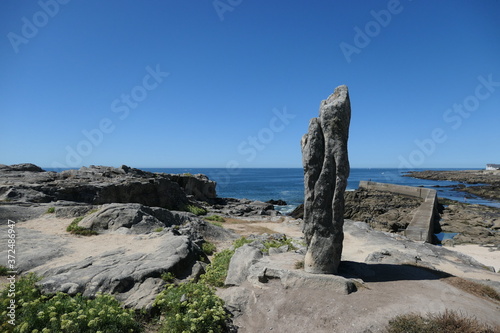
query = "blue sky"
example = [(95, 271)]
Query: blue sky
[(234, 82)]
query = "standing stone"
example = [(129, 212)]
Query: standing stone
[(326, 169)]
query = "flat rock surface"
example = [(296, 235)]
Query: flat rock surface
[(386, 288), (125, 265)]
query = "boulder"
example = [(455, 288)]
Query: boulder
[(326, 169), (243, 258), (136, 218), (134, 279)]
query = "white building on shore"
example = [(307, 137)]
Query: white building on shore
[(492, 166)]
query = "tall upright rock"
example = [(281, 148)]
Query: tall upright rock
[(326, 169)]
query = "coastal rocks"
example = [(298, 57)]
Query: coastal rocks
[(278, 202), (134, 278), (198, 186), (133, 218), (489, 180), (381, 210), (93, 185), (21, 167), (326, 169), (242, 207), (475, 224)]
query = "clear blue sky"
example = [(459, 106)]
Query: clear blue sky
[(207, 83)]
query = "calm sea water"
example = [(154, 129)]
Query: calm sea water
[(288, 183)]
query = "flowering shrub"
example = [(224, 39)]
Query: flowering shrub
[(191, 307), (62, 313)]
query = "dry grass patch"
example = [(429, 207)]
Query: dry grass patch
[(474, 288), (449, 322)]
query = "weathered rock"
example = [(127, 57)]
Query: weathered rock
[(135, 279), (136, 218), (21, 167), (242, 207), (278, 202), (99, 185), (199, 186), (243, 258), (326, 169)]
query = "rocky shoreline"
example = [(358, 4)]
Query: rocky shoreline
[(482, 183), (149, 224)]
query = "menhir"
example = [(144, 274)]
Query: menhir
[(326, 169)]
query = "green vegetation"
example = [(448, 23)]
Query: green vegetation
[(51, 210), (160, 229), (217, 224), (448, 321), (196, 210), (191, 307), (215, 218), (216, 271), (240, 242), (75, 229), (187, 174), (62, 313), (278, 243), (3, 270), (208, 248), (168, 277)]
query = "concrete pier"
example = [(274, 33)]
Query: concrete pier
[(421, 227)]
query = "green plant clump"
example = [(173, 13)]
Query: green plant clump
[(75, 229), (62, 313), (208, 248), (217, 224), (216, 218), (240, 242), (3, 270), (160, 229), (51, 210), (196, 210), (216, 271), (278, 243), (191, 307)]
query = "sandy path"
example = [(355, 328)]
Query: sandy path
[(486, 255)]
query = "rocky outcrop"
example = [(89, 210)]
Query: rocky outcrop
[(134, 218), (486, 183), (326, 169), (135, 279), (242, 207), (198, 186), (93, 185), (475, 224), (384, 211), (21, 167)]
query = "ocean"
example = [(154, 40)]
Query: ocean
[(288, 183)]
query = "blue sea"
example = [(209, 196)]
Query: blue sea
[(288, 183)]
